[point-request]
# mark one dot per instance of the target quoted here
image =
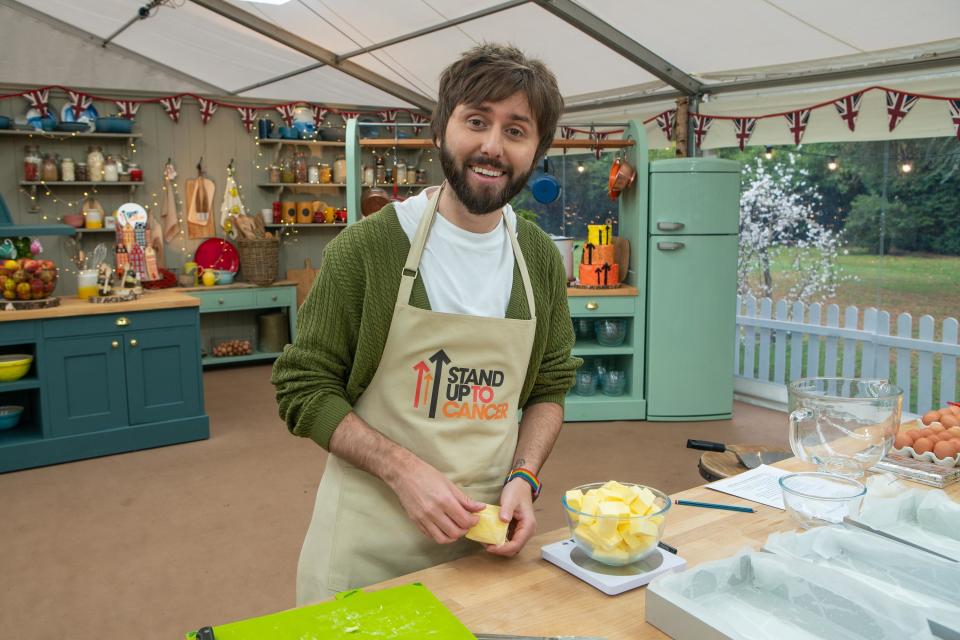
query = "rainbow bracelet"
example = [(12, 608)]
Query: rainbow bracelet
[(527, 476)]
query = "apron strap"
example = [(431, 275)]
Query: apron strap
[(411, 268)]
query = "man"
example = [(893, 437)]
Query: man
[(430, 325)]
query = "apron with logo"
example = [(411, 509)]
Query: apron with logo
[(447, 389)]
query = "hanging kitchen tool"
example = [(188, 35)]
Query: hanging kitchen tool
[(168, 208), (232, 205), (200, 195), (545, 187), (622, 176)]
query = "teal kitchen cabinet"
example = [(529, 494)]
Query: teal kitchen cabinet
[(104, 383), (692, 288)]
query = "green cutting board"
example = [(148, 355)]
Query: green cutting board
[(407, 612)]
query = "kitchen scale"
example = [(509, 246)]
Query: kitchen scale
[(611, 580)]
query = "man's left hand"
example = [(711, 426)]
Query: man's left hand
[(516, 507)]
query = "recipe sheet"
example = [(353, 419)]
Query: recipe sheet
[(757, 485)]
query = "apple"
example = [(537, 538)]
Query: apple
[(31, 265), (9, 294), (11, 265), (23, 291), (19, 276)]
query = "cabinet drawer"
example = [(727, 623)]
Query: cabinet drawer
[(113, 322), (601, 306), (237, 299), (11, 332), (275, 297)]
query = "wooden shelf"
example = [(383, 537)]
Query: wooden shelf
[(27, 183), (207, 360), (309, 225), (558, 143), (305, 143), (69, 134), (303, 185)]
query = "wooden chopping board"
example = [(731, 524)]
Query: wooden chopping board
[(199, 201), (621, 251), (304, 279)]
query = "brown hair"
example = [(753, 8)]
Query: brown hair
[(492, 72)]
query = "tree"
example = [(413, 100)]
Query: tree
[(778, 215)]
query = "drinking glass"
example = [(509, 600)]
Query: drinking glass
[(586, 384), (614, 383)]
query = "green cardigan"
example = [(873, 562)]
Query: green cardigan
[(343, 324)]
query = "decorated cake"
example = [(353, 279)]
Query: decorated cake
[(598, 264)]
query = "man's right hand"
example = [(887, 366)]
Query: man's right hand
[(438, 507)]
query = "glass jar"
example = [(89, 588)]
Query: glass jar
[(421, 176), (136, 173), (273, 174), (411, 175), (381, 171), (286, 171), (340, 170), (111, 173), (48, 170), (31, 163), (313, 174), (325, 175), (300, 167), (368, 176), (81, 172), (67, 172), (400, 171), (388, 177), (94, 164)]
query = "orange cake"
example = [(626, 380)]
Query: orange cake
[(598, 268)]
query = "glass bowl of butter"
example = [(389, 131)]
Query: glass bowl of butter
[(616, 523)]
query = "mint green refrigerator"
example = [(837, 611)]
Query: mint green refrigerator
[(694, 206)]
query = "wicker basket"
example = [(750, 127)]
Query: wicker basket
[(259, 260)]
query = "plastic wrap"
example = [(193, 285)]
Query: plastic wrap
[(928, 518), (914, 578), (758, 596)]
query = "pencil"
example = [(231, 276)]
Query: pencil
[(713, 505)]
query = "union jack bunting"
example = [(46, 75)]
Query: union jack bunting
[(667, 121), (207, 109), (172, 106), (849, 109), (346, 115), (128, 108), (418, 118), (318, 114), (39, 99), (286, 112), (701, 125), (389, 116), (798, 121), (955, 115), (744, 129), (78, 102), (567, 133), (899, 104), (599, 137), (247, 116)]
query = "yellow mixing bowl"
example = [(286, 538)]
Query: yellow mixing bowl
[(14, 366)]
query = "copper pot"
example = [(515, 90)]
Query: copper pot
[(622, 176), (375, 199)]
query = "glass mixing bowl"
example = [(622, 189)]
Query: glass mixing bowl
[(814, 499), (843, 425)]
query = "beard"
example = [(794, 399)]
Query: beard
[(482, 199)]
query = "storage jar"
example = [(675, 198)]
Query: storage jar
[(340, 170), (94, 164), (31, 163), (67, 173)]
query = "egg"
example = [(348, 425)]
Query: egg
[(950, 420), (924, 433), (930, 416), (902, 440), (937, 427), (911, 434), (945, 450), (955, 409), (955, 431), (922, 445)]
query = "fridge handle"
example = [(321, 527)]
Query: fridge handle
[(669, 226), (670, 246)]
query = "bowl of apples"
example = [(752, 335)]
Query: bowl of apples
[(27, 279)]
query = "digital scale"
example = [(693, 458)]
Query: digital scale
[(611, 580)]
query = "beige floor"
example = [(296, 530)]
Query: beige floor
[(155, 543)]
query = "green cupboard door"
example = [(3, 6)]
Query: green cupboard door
[(163, 374), (86, 384), (692, 318)]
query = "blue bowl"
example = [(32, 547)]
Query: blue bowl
[(225, 277), (289, 133), (4, 122), (10, 416), (72, 126), (114, 125)]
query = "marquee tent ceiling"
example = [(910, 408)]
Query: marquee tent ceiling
[(610, 56)]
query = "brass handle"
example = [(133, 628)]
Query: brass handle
[(115, 344), (220, 301), (122, 321), (592, 306), (133, 342), (274, 298)]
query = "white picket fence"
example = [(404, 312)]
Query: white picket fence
[(799, 329)]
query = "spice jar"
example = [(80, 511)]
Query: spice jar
[(31, 163), (300, 167), (111, 172), (273, 174), (81, 172), (400, 171), (381, 171), (95, 164), (286, 171), (340, 170), (421, 176), (325, 175), (313, 174), (368, 176), (48, 170), (136, 173), (67, 173), (411, 175)]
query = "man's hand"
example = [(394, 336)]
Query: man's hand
[(516, 507), (438, 507)]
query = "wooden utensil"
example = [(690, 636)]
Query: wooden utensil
[(304, 279), (200, 196), (621, 250)]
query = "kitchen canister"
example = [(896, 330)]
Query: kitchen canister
[(274, 332)]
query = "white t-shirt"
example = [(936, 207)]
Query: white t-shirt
[(463, 272)]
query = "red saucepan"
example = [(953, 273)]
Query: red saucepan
[(622, 176)]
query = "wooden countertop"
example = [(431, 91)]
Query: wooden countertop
[(239, 285), (529, 596), (625, 290), (72, 306)]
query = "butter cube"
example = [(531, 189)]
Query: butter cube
[(574, 499), (643, 501), (642, 526), (613, 490), (490, 529)]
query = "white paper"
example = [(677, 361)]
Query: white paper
[(757, 485)]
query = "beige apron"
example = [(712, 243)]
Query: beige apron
[(447, 389)]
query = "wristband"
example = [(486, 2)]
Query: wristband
[(527, 476)]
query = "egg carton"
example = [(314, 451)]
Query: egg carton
[(927, 456)]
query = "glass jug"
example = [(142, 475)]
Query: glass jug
[(843, 425)]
